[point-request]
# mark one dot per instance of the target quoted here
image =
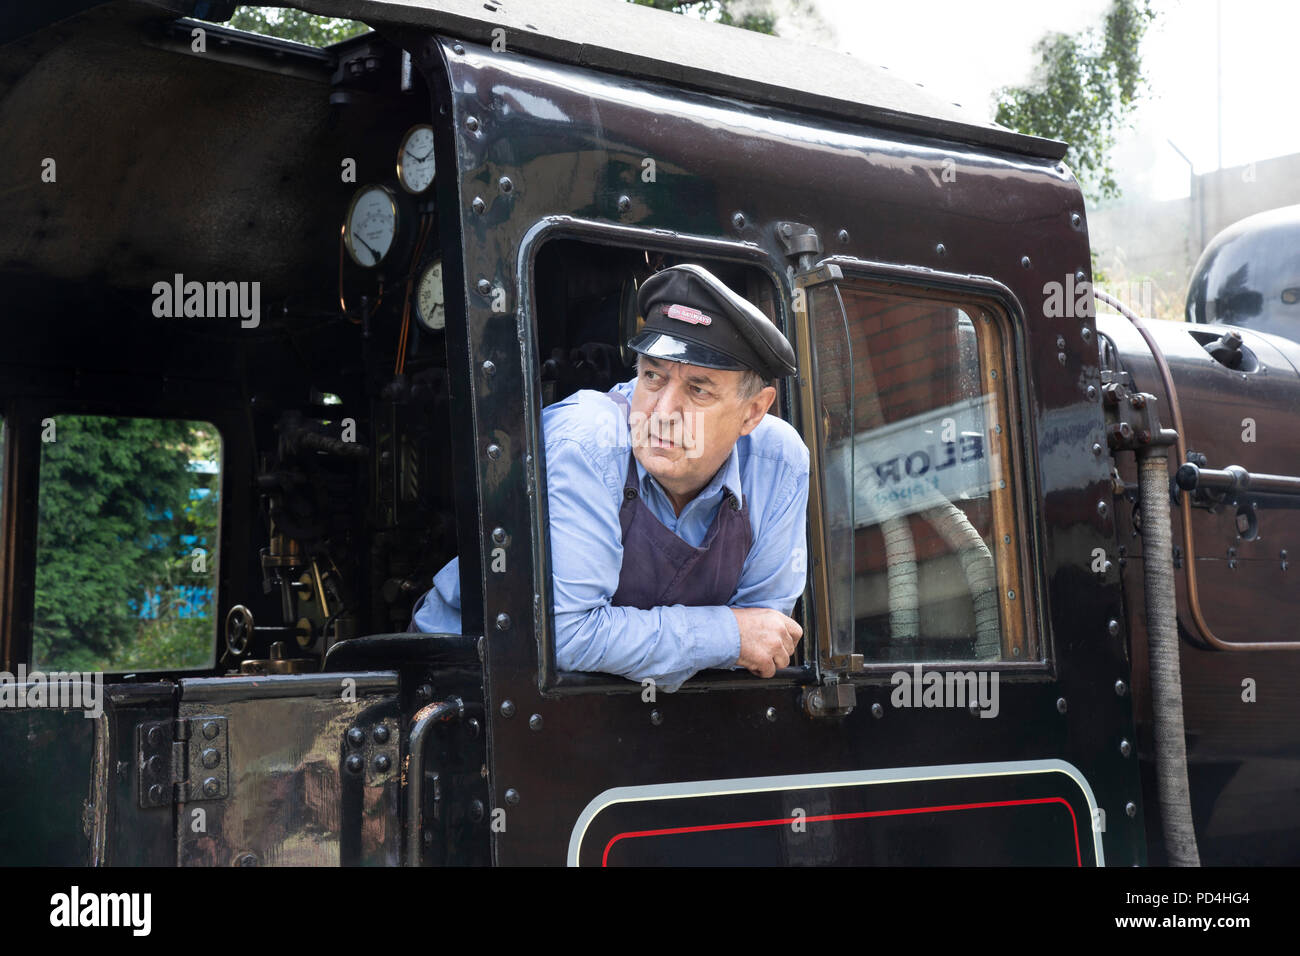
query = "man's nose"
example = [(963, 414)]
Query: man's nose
[(670, 398)]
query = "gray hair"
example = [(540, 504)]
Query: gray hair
[(751, 385)]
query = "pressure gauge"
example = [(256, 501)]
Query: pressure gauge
[(428, 298), (371, 225), (415, 159)]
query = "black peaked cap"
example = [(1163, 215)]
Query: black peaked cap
[(691, 316)]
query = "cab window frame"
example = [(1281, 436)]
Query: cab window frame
[(551, 681), (973, 295)]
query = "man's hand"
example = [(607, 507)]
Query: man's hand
[(767, 639)]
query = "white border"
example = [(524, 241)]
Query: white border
[(845, 778)]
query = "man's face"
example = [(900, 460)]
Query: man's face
[(685, 419)]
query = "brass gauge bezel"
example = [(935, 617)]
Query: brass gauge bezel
[(347, 224), (401, 166)]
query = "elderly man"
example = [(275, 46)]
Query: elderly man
[(678, 506)]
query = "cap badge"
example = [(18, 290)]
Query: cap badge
[(687, 314)]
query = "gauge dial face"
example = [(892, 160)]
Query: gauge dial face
[(371, 225), (428, 298), (415, 159)]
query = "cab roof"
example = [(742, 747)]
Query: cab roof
[(620, 37)]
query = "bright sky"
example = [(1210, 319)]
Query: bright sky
[(964, 50)]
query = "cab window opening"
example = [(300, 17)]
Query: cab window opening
[(585, 295)]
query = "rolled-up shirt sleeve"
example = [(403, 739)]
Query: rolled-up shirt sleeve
[(665, 644)]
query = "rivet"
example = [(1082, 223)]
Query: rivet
[(381, 733), (624, 203), (656, 718), (1076, 220), (1086, 333), (154, 736), (629, 493), (787, 230), (483, 286), (1079, 276), (356, 737), (505, 184), (738, 220), (1060, 341), (1060, 357), (842, 236), (1131, 809), (1060, 705), (211, 787), (512, 797), (210, 757), (155, 793), (1092, 393), (1011, 595), (1096, 449), (155, 765), (458, 48), (499, 535), (382, 763), (503, 621), (941, 249), (1121, 688), (489, 367), (770, 714), (1006, 539), (1103, 509), (246, 859), (1125, 748), (472, 727), (494, 451), (507, 708), (877, 711), (1024, 262), (535, 722), (1112, 627), (476, 809), (478, 205), (210, 729), (471, 123), (354, 763)]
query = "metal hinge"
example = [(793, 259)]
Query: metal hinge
[(182, 761)]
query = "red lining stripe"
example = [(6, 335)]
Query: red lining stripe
[(1078, 856)]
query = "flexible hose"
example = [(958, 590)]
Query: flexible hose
[(1172, 789)]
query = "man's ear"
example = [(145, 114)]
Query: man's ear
[(756, 408)]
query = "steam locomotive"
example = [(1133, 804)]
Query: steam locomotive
[(1047, 618)]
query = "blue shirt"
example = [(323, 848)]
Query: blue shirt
[(587, 443)]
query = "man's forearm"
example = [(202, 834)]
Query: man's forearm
[(665, 644)]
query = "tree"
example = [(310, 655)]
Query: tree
[(322, 31), (751, 16), (295, 25), (1084, 90), (120, 511)]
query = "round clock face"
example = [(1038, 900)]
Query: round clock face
[(428, 298), (371, 225), (415, 159)]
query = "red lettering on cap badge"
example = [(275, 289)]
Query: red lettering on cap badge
[(687, 314)]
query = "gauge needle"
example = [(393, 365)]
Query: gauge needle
[(374, 255)]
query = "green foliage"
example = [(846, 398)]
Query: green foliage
[(295, 25), (719, 11), (1086, 87), (114, 504)]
